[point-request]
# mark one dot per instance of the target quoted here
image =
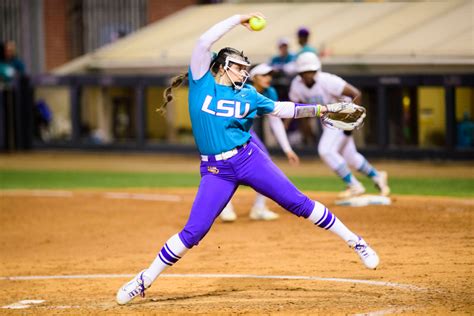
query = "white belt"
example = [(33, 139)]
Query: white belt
[(223, 156)]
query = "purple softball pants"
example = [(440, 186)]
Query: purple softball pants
[(219, 180), (257, 141)]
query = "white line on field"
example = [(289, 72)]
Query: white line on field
[(23, 304), (65, 306), (46, 193), (218, 276), (143, 196), (397, 310), (107, 195)]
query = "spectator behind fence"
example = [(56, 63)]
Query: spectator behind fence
[(7, 72), (284, 61), (283, 65), (303, 39), (12, 58)]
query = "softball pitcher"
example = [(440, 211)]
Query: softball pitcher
[(261, 76), (222, 109), (336, 147)]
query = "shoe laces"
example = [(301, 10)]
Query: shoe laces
[(141, 283), (360, 247), (141, 287)]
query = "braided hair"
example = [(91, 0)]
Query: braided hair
[(168, 93)]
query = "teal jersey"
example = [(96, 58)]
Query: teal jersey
[(221, 116), (270, 93), (307, 48)]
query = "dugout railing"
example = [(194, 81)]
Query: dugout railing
[(17, 117)]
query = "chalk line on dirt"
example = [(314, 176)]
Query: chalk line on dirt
[(217, 276)]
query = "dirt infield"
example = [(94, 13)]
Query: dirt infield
[(425, 243)]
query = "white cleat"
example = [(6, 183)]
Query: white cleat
[(368, 255), (352, 191), (262, 214), (382, 183), (228, 214), (132, 289)]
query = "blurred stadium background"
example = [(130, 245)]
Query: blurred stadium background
[(93, 180), (100, 67)]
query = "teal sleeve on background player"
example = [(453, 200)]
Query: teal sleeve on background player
[(271, 93)]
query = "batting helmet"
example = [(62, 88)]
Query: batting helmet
[(307, 62)]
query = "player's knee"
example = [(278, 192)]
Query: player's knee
[(301, 207), (325, 152), (192, 237), (354, 159)]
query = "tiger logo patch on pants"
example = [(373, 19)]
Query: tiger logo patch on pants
[(213, 170)]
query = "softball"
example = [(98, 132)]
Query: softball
[(257, 23)]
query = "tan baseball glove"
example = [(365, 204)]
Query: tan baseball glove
[(344, 115)]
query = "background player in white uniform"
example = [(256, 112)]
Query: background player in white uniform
[(336, 147), (261, 76)]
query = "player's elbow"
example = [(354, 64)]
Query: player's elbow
[(357, 97)]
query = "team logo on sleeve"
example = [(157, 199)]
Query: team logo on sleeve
[(213, 170)]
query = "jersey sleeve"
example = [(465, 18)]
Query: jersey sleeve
[(264, 104), (201, 57), (293, 94), (198, 82), (333, 84), (279, 131)]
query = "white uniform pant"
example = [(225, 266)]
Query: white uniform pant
[(335, 148)]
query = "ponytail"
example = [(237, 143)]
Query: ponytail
[(168, 93)]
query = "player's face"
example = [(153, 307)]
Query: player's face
[(283, 50), (238, 72), (308, 77), (10, 49), (263, 81), (302, 40)]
